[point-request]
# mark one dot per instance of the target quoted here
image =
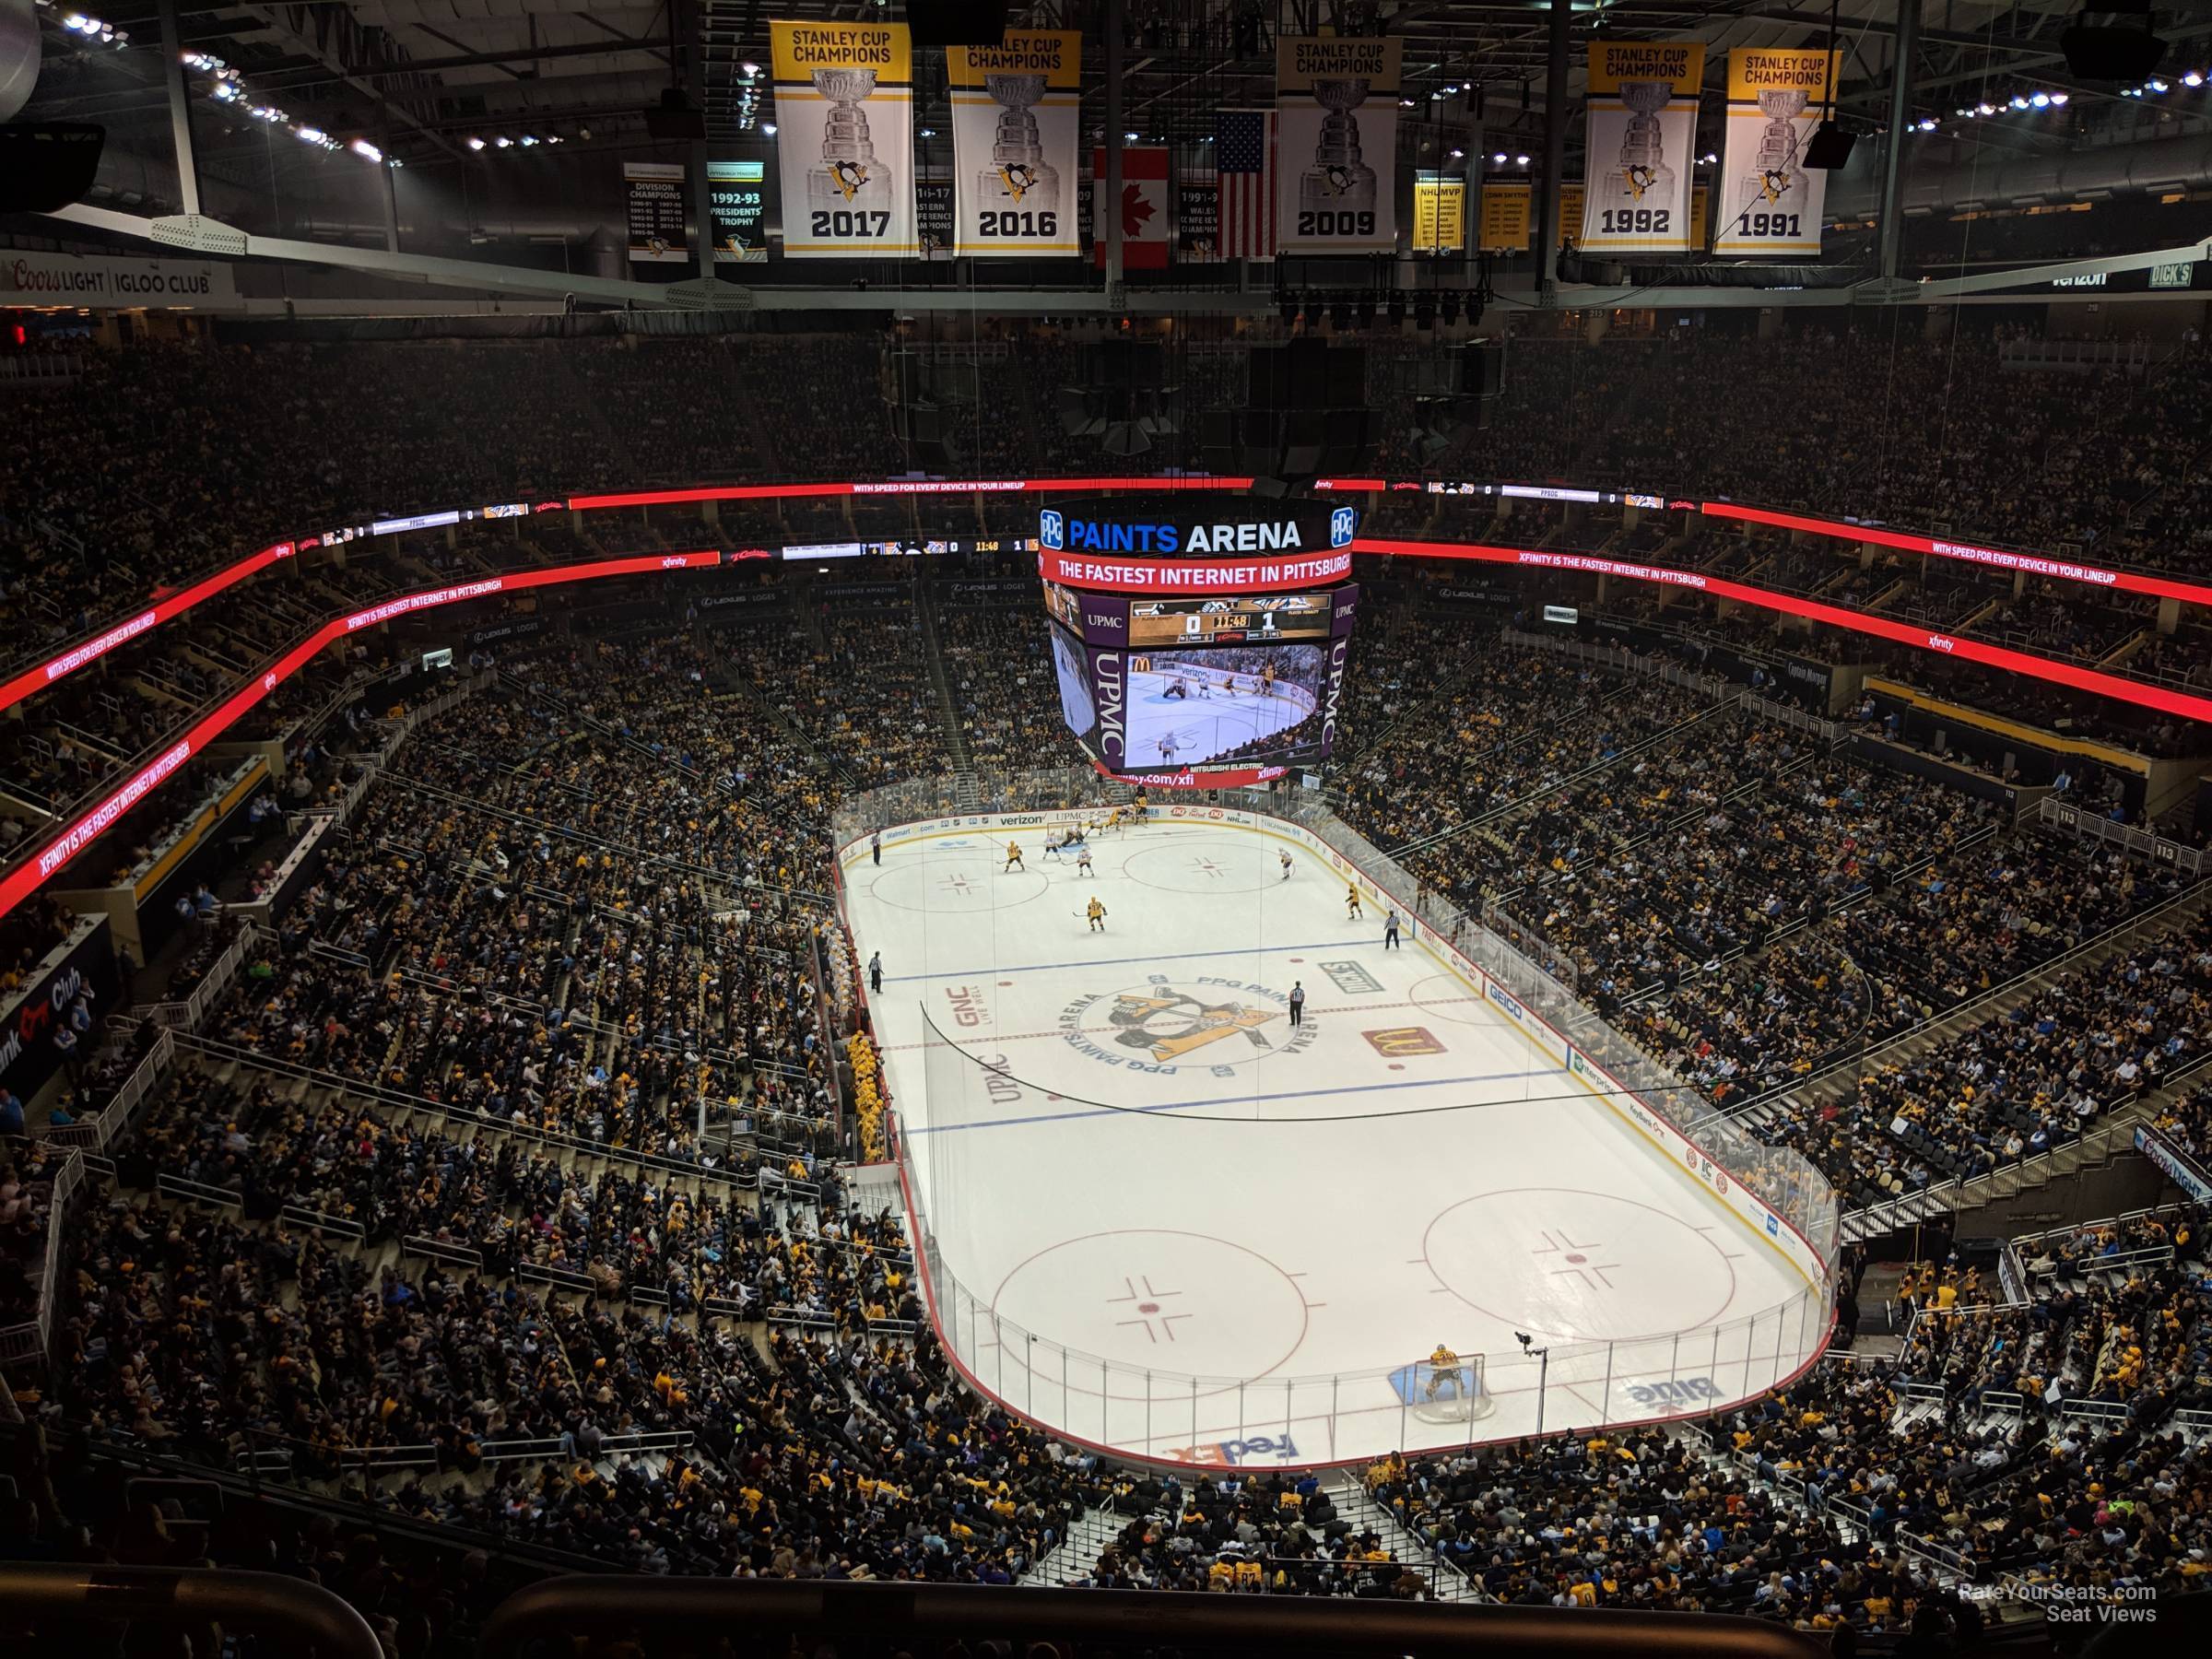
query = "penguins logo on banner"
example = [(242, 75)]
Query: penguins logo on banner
[(1015, 118), (1643, 127), (1337, 124), (846, 138), (1769, 201)]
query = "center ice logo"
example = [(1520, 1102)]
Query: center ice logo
[(1341, 525), (1169, 1024), (1052, 530)]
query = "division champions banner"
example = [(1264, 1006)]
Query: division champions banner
[(1769, 202), (846, 138), (1015, 110), (1337, 107), (1644, 128)]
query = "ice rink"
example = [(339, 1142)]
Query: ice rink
[(1169, 1222), (1203, 726)]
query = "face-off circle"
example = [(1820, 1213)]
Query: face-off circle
[(1579, 1266), (956, 884), (1220, 866), (1180, 1304)]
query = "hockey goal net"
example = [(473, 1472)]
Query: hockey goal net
[(1449, 1393)]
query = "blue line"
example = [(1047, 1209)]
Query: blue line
[(1188, 956), (1061, 1117)]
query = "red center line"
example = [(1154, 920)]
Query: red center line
[(1441, 1001)]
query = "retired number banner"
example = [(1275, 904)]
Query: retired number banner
[(1015, 108), (846, 138), (1769, 202), (1644, 128), (1337, 109)]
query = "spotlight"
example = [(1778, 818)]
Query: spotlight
[(1287, 305), (1395, 310), (1341, 315), (1459, 155), (1498, 157), (1520, 160), (475, 142), (504, 143), (2058, 99), (2192, 80), (769, 127), (366, 150), (2041, 100), (1448, 304), (750, 69)]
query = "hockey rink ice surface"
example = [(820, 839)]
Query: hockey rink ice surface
[(1202, 727), (1181, 1228)]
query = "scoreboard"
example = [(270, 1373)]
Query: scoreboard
[(1257, 619)]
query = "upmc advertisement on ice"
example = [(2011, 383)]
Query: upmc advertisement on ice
[(1199, 645)]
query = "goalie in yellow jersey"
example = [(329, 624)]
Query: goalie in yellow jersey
[(1443, 1367)]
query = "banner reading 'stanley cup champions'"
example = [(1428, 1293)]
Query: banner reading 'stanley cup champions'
[(1015, 110), (1336, 145), (1643, 127), (1769, 201), (846, 120)]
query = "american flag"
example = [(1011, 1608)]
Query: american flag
[(1244, 161)]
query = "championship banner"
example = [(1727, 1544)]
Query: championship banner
[(933, 218), (733, 200), (1643, 130), (1199, 223), (1336, 108), (1440, 214), (656, 212), (1769, 202), (1015, 108), (845, 115)]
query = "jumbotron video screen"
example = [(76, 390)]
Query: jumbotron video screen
[(1200, 672)]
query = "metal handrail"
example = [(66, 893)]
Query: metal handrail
[(303, 1617)]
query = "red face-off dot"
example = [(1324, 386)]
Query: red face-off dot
[(1148, 1307), (1577, 1261)]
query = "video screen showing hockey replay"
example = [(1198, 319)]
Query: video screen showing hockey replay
[(1210, 718)]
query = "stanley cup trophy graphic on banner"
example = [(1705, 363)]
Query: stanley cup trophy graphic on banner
[(849, 176), (1643, 172), (1777, 177), (1018, 175), (1337, 179)]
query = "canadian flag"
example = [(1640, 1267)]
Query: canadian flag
[(1147, 230)]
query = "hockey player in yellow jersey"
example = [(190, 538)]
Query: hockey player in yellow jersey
[(1351, 903), (1014, 857), (1097, 912)]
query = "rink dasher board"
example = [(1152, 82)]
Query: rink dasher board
[(1774, 1231)]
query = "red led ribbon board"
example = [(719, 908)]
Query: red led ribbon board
[(2181, 703), (55, 855)]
